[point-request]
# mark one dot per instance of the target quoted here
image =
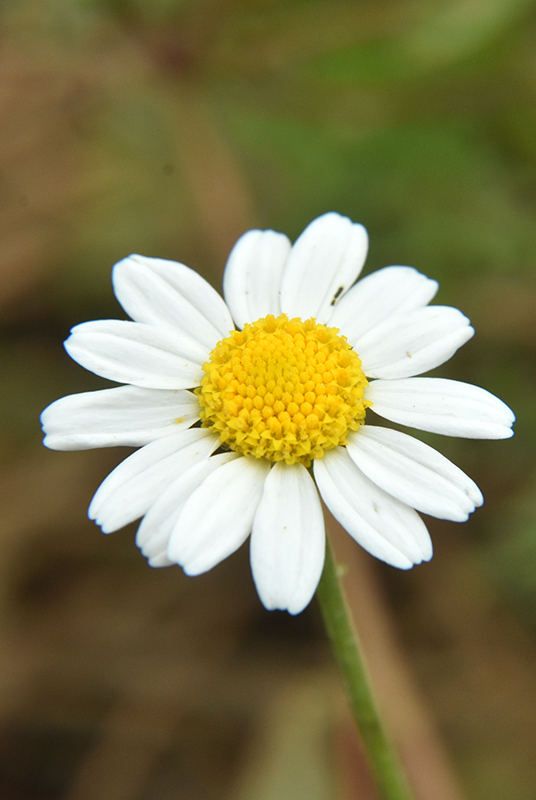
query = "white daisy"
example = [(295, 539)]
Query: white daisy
[(236, 405)]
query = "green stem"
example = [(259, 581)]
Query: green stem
[(385, 766)]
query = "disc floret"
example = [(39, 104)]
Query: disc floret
[(284, 390)]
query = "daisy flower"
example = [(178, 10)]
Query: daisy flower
[(248, 411)]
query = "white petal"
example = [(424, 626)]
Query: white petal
[(126, 415), (160, 560), (134, 485), (252, 276), (131, 352), (288, 539), (323, 263), (442, 406), (414, 473), (391, 290), (160, 292), (410, 344), (156, 526), (387, 528), (217, 518)]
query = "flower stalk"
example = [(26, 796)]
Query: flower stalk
[(390, 778)]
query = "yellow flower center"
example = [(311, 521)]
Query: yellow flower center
[(282, 389)]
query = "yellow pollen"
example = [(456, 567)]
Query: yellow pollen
[(282, 389)]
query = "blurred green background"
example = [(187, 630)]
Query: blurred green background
[(168, 127)]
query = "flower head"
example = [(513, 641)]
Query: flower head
[(247, 411)]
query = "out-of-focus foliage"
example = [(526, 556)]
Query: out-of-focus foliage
[(168, 127)]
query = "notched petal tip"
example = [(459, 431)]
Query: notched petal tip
[(291, 608), (46, 420), (159, 561), (428, 552), (508, 419), (102, 525)]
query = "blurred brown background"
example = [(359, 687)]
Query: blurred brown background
[(168, 127)]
